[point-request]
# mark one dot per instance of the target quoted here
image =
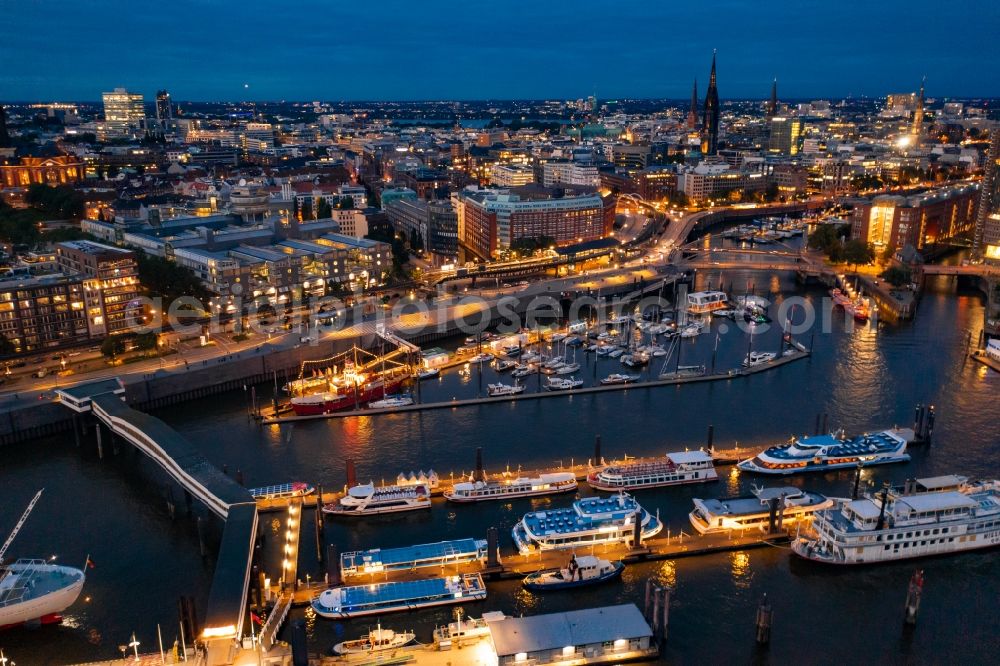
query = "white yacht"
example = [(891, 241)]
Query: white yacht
[(498, 390), (618, 378), (671, 470), (391, 402), (590, 521), (377, 640), (932, 516), (568, 369), (502, 488), (756, 358), (753, 512), (35, 590), (370, 499), (563, 384)]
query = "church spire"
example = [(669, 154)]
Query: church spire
[(692, 117), (710, 124), (918, 113), (772, 105)]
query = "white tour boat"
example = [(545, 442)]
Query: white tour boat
[(753, 512), (618, 378), (369, 499), (933, 516), (825, 452), (481, 491), (590, 521), (672, 469), (391, 402)]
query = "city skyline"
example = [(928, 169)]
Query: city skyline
[(442, 52)]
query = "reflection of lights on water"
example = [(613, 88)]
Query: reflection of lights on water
[(733, 481), (739, 564), (666, 573), (525, 600)]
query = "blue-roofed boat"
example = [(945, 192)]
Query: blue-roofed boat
[(282, 491), (380, 598), (441, 553), (590, 521), (825, 452)]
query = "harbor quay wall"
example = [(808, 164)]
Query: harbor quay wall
[(24, 419)]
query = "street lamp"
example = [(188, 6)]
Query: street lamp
[(135, 646)]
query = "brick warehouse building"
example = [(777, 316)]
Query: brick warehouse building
[(492, 220), (919, 220)]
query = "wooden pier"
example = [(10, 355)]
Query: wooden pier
[(515, 566), (269, 417)]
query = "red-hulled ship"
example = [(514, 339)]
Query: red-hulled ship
[(324, 394)]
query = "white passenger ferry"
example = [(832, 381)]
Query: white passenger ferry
[(590, 521), (826, 452), (369, 499), (498, 489), (753, 512), (673, 469), (933, 516)]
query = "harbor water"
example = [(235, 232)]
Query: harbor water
[(862, 377)]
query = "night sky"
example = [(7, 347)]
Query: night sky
[(430, 49)]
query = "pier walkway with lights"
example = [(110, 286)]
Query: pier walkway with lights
[(104, 401)]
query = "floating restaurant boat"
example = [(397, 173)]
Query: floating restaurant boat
[(498, 489), (377, 640), (671, 470), (379, 598), (282, 491), (933, 516), (369, 499), (498, 390), (751, 512), (824, 452), (439, 554), (35, 590), (706, 302), (581, 570), (616, 378), (348, 390), (590, 521)]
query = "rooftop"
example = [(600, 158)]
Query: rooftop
[(554, 631)]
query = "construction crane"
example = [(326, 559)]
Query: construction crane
[(20, 524)]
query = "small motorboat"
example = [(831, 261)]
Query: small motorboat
[(582, 570), (563, 384), (481, 358), (497, 390), (503, 365), (618, 378), (428, 373), (755, 358), (377, 640), (568, 369)]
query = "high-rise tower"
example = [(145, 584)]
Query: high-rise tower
[(772, 105), (986, 241), (710, 124), (692, 119), (918, 113), (164, 110)]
